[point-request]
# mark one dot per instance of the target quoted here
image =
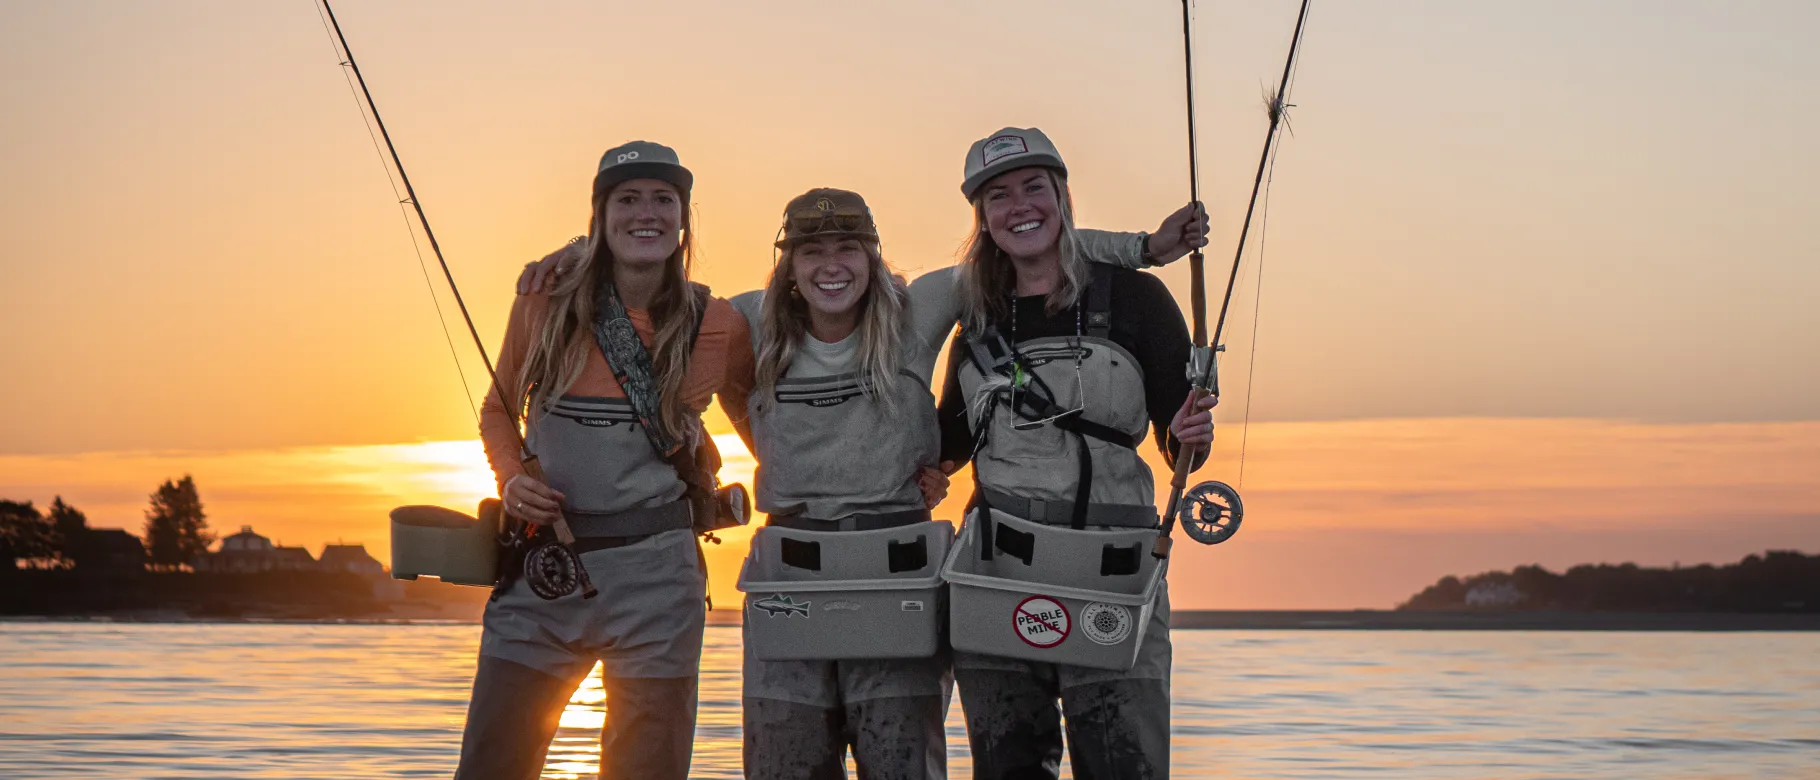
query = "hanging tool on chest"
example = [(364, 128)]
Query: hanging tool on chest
[(1211, 511)]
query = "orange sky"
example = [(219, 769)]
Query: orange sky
[(1538, 286)]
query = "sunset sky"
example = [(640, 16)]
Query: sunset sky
[(1539, 277)]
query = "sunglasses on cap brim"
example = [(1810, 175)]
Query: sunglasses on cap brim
[(843, 220)]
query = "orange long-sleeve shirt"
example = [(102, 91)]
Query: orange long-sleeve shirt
[(722, 365)]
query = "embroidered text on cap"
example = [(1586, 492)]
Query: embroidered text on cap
[(1000, 147)]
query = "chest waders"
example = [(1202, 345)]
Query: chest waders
[(582, 431), (844, 599), (849, 565), (1048, 568), (706, 506)]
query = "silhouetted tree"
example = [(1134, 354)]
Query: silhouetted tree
[(176, 529), (24, 534), (69, 528)]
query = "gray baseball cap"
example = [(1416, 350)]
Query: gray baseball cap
[(1006, 150), (642, 160)]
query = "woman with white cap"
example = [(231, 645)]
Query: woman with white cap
[(610, 371), (1058, 371)]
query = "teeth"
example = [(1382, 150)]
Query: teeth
[(646, 233), (831, 286), (1027, 226)]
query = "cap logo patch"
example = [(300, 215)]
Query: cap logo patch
[(625, 156), (1002, 146), (824, 204)]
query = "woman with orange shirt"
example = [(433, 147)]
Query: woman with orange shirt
[(610, 372)]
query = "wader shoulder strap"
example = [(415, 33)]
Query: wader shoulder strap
[(991, 354), (1099, 302), (632, 366)]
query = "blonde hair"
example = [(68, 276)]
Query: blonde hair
[(987, 277), (560, 348), (785, 320)]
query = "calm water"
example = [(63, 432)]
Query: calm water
[(334, 701)]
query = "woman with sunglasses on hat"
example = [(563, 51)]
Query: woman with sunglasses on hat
[(610, 365), (1059, 369)]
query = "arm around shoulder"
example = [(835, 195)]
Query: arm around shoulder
[(735, 389)]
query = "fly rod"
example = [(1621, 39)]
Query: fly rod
[(563, 533), (1203, 373)]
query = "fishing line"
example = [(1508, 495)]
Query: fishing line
[(1257, 306), (1278, 111), (550, 569), (410, 196), (403, 214), (1217, 507), (1257, 296)]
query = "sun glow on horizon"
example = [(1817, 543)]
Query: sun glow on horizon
[(1373, 487)]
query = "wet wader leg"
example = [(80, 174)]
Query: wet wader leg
[(899, 738), (1118, 729), (1013, 724), (511, 717), (650, 728), (790, 741)]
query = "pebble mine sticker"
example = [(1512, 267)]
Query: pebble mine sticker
[(1040, 621)]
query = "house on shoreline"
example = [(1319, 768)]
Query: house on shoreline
[(248, 552)]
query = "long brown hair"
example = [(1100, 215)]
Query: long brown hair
[(988, 278), (560, 348), (785, 319)]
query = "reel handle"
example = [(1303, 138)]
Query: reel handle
[(564, 534)]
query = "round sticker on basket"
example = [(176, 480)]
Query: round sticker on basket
[(1106, 624), (1040, 621)]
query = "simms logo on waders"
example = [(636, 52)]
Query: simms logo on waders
[(780, 604)]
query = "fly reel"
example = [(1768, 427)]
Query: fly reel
[(552, 570), (1212, 513)]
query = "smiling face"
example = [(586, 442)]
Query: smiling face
[(1023, 212), (643, 221), (831, 273)]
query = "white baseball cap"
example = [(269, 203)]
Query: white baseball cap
[(1006, 150)]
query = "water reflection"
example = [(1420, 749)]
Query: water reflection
[(290, 702)]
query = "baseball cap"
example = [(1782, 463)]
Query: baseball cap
[(1005, 150), (826, 212), (642, 160)]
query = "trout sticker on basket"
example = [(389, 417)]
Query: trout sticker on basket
[(780, 604)]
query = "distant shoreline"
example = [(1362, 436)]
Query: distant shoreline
[(1212, 620), (1390, 620)]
